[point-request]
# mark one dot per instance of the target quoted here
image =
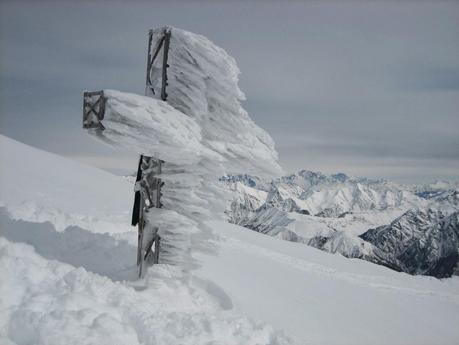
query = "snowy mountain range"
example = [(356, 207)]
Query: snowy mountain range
[(336, 213)]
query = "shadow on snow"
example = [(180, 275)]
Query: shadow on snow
[(98, 253)]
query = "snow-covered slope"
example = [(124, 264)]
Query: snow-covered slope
[(76, 286), (40, 186), (328, 299), (71, 278)]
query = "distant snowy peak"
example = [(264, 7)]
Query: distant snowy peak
[(443, 199), (338, 194), (308, 179), (345, 244), (428, 189), (420, 242), (247, 180), (270, 221), (286, 198), (245, 201), (315, 209), (333, 196), (448, 197)]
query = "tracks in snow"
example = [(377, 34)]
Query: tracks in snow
[(367, 281)]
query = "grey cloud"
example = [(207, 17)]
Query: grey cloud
[(431, 78)]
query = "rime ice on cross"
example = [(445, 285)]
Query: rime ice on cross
[(148, 185)]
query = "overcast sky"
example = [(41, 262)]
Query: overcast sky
[(365, 88)]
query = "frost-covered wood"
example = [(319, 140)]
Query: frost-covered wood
[(201, 131), (158, 50), (93, 109), (147, 195)]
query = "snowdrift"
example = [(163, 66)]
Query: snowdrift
[(70, 279)]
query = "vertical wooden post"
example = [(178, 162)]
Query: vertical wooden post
[(167, 37), (148, 196), (162, 43), (140, 224)]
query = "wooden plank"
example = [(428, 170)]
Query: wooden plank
[(140, 238)]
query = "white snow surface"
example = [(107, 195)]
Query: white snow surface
[(328, 299), (64, 283), (39, 186), (69, 254), (78, 285)]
